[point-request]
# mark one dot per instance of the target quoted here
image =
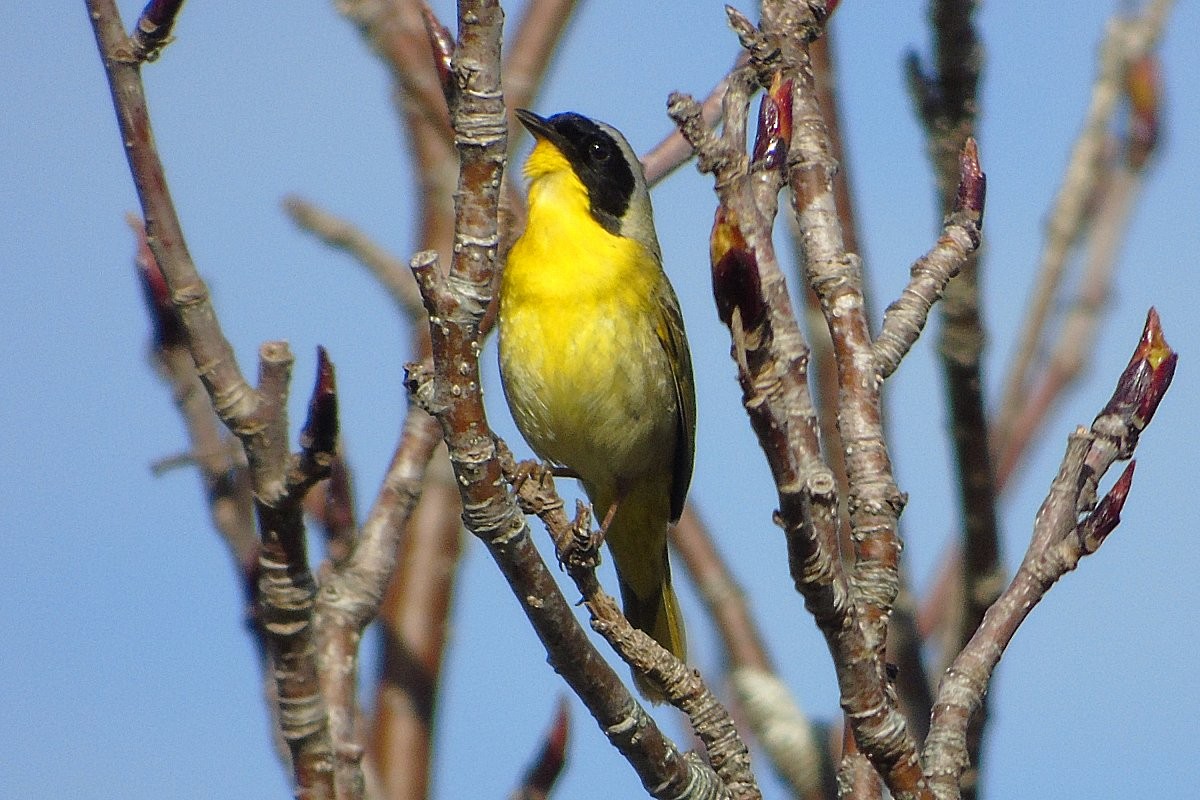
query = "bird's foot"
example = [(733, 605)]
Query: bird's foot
[(582, 549)]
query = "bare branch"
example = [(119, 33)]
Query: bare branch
[(774, 716), (1125, 173), (576, 546), (1060, 539), (1126, 41), (905, 318), (341, 234), (257, 417)]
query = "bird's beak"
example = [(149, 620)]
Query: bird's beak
[(539, 127)]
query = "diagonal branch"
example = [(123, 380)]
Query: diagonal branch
[(256, 416), (1060, 539)]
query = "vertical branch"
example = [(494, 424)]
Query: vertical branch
[(256, 417), (947, 104), (772, 364), (450, 391), (1069, 525)]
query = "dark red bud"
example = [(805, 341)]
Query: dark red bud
[(319, 435), (1107, 515), (164, 317), (441, 42), (774, 125), (736, 282)]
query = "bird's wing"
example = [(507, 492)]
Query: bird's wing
[(674, 341)]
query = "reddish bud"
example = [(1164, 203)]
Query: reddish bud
[(736, 282), (164, 317), (1143, 88), (1144, 382), (1107, 515), (548, 765), (774, 125), (972, 182), (319, 435), (441, 42)]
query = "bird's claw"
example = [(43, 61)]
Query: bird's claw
[(582, 548)]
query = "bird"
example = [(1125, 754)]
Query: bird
[(594, 359)]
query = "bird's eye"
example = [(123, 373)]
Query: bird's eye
[(599, 150)]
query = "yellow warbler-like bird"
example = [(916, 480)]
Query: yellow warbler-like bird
[(593, 355)]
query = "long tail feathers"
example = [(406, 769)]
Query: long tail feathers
[(657, 615)]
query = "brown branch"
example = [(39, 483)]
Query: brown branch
[(219, 457), (745, 272), (674, 150), (906, 317), (781, 727), (1124, 175), (1060, 539), (451, 392), (1126, 41), (576, 547), (256, 417), (413, 618), (856, 777), (343, 235), (153, 29), (947, 103)]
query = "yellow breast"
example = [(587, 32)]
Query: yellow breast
[(584, 370)]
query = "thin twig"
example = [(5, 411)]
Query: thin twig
[(1061, 537), (1127, 40), (575, 545)]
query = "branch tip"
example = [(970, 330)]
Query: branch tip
[(774, 125), (1145, 380), (318, 439), (153, 29), (972, 182), (441, 44), (1107, 515), (168, 326), (548, 766)]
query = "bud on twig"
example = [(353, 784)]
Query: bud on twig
[(1107, 514), (737, 285), (441, 42), (319, 436), (972, 183), (153, 29), (548, 765), (164, 317), (774, 126), (1143, 383)]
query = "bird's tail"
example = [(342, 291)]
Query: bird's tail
[(637, 538), (657, 615)]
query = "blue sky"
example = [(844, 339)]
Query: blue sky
[(127, 672)]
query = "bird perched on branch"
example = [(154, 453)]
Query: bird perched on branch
[(593, 354)]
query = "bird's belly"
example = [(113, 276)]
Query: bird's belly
[(591, 389)]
